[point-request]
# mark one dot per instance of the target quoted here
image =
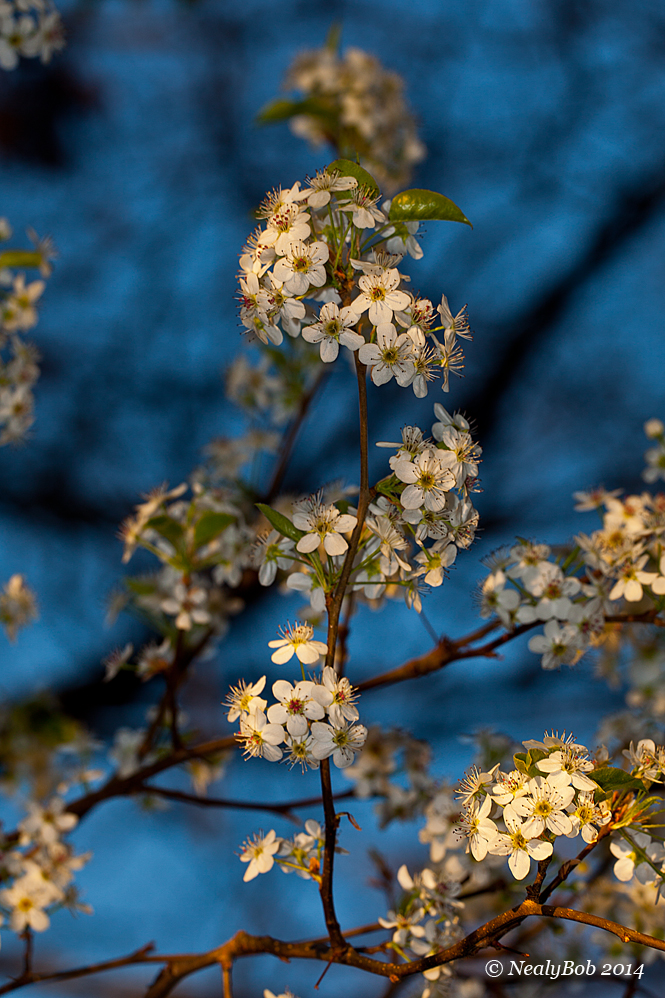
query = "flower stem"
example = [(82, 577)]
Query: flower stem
[(336, 597)]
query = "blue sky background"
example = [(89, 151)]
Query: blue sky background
[(545, 122)]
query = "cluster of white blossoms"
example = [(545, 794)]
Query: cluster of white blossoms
[(621, 565), (39, 870), (300, 854), (311, 719), (18, 314), (557, 790), (200, 542), (29, 28), (655, 456), (421, 517), (393, 768), (18, 606), (427, 919), (350, 100), (330, 243)]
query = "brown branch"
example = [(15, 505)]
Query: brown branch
[(283, 808), (334, 600), (625, 935), (27, 958), (343, 635), (227, 985), (481, 632), (182, 659), (483, 937), (534, 890), (331, 821), (445, 652), (242, 944), (123, 786), (361, 930), (648, 617), (567, 868), (449, 650), (291, 435), (140, 956)]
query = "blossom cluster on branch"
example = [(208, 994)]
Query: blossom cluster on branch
[(355, 105), (29, 29), (18, 314)]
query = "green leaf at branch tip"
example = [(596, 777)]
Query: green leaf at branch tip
[(422, 206), (527, 762), (521, 765), (613, 780), (281, 523), (210, 525), (21, 258), (139, 585), (167, 527), (333, 37), (347, 168), (282, 109)]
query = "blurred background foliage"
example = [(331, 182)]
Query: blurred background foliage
[(137, 149)]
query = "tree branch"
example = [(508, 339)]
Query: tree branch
[(337, 940), (486, 935), (447, 650), (244, 805), (140, 956), (291, 435)]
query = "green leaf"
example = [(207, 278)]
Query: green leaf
[(168, 528), (347, 168), (520, 760), (280, 522), (613, 780), (282, 109), (333, 37), (140, 586), (209, 526), (422, 206), (20, 258)]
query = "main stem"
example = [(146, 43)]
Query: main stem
[(337, 941), (335, 599), (337, 596)]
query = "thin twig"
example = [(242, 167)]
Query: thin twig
[(448, 650), (443, 653), (227, 984), (27, 958), (567, 868), (291, 435), (139, 956), (245, 805)]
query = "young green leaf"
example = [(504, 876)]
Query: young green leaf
[(280, 522), (347, 168), (611, 779), (210, 525), (20, 258), (282, 109), (422, 206), (168, 528)]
